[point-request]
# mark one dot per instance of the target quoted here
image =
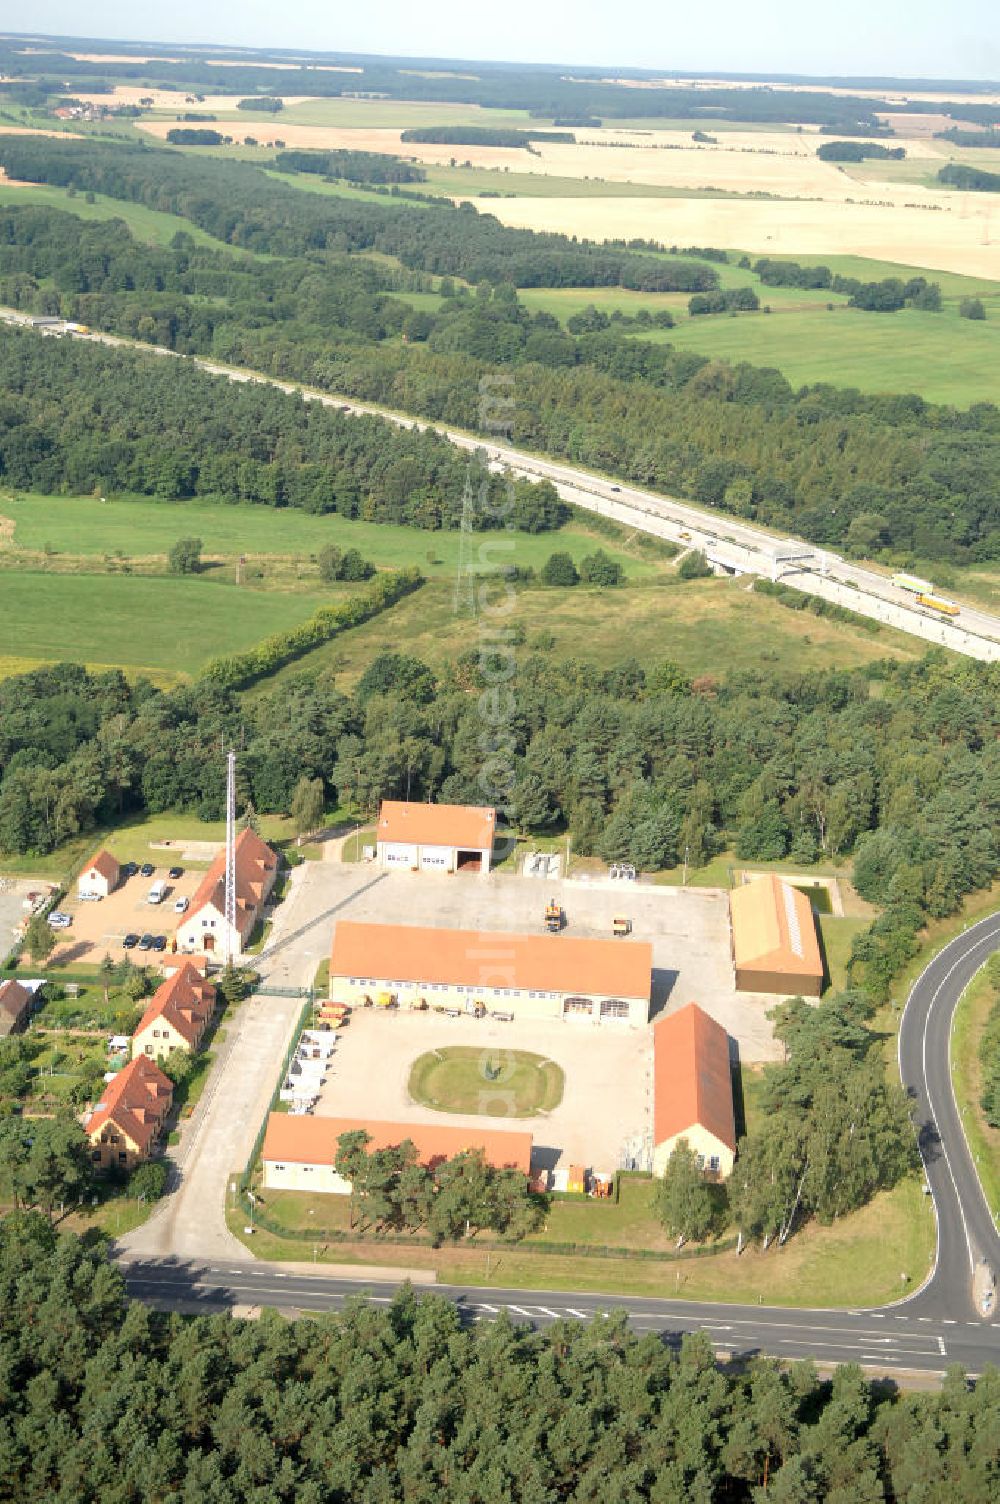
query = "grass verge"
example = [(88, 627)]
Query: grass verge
[(966, 1077), (843, 1265)]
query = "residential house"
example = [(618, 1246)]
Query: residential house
[(177, 1016), (15, 1005), (125, 1123)]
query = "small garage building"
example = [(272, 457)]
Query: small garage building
[(774, 942), (693, 1090), (527, 976), (100, 875), (435, 837)]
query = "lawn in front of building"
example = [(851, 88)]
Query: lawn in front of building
[(491, 1082)]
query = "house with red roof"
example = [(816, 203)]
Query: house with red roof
[(125, 1124), (177, 1015), (99, 876), (204, 927), (693, 1090), (15, 1005)]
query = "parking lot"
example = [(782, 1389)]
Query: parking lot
[(607, 1102), (99, 928)]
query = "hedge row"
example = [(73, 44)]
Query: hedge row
[(801, 600), (237, 670)]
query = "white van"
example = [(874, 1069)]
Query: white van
[(156, 892)]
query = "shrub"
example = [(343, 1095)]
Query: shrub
[(559, 569), (185, 556)]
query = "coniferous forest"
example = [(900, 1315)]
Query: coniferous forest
[(103, 1399)]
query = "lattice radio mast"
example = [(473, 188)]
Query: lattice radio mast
[(230, 854)]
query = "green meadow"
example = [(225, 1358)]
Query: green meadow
[(166, 624), (85, 526)]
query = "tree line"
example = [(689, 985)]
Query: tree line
[(239, 204), (969, 179), (819, 461), (107, 1398), (79, 418), (352, 166), (481, 135), (859, 151), (392, 1192), (886, 295), (897, 765)]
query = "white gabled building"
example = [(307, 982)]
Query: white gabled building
[(99, 876), (203, 928), (435, 837)]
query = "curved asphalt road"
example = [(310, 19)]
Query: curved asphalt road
[(937, 1326), (966, 1232)]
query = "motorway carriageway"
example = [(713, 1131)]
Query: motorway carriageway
[(741, 545)]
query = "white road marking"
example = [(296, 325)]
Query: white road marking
[(583, 1315), (948, 1321), (546, 1312), (942, 1347)]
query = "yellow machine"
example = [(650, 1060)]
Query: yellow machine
[(621, 927), (553, 917)]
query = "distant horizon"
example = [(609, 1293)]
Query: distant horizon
[(896, 45)]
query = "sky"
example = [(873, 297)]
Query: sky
[(900, 38)]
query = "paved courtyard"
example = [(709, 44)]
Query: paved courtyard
[(607, 1099), (688, 928)]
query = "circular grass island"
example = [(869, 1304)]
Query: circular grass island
[(490, 1083)]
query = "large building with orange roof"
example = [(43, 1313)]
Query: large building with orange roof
[(299, 1152), (125, 1123), (435, 837), (204, 927), (774, 942), (693, 1090), (526, 976), (177, 1015)]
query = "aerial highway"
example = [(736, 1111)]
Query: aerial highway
[(728, 542), (941, 1323)]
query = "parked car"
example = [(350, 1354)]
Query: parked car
[(146, 942), (159, 942), (181, 905), (130, 942), (175, 873), (147, 869), (130, 869), (60, 921)]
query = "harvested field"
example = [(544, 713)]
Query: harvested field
[(950, 240), (30, 130)]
